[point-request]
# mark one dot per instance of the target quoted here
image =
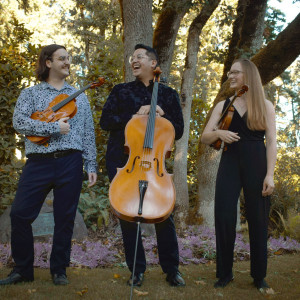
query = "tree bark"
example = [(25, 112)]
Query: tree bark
[(137, 28), (247, 35), (180, 163), (273, 59), (166, 30), (253, 27)]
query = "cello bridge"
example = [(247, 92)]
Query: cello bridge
[(146, 165)]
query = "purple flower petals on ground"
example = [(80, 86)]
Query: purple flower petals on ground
[(196, 245)]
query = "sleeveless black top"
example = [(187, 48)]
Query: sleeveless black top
[(239, 125)]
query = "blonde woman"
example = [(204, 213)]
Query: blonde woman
[(248, 163)]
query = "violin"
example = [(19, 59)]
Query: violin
[(143, 191), (226, 118), (61, 106)]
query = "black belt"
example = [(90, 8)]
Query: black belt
[(56, 154)]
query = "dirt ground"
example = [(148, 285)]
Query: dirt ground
[(110, 283)]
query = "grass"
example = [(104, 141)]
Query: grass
[(110, 283)]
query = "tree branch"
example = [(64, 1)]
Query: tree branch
[(273, 59)]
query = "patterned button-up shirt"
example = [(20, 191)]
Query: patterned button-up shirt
[(123, 102), (81, 136)]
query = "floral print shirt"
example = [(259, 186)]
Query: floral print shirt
[(81, 136)]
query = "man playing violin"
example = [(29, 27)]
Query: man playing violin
[(57, 166), (124, 101)]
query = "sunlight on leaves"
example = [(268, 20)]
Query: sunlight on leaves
[(267, 292), (82, 292), (140, 293), (243, 271), (279, 251), (198, 282), (270, 291)]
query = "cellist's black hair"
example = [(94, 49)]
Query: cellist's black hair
[(42, 71), (151, 52)]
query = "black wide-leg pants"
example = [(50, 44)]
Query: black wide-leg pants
[(167, 246), (39, 176), (243, 165)]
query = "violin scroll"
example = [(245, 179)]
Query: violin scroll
[(242, 91), (101, 81), (157, 71)]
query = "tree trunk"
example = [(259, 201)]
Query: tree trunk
[(137, 28), (253, 27), (247, 35), (180, 163), (166, 30)]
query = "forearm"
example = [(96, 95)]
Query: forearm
[(271, 157), (210, 137)]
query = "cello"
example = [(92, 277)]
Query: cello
[(61, 106), (226, 118), (143, 191)]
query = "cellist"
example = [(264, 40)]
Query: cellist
[(124, 101), (57, 166)]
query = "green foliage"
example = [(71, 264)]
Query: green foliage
[(274, 21), (92, 32), (198, 115), (16, 72), (94, 206), (285, 199), (294, 227)]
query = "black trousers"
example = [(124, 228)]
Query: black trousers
[(243, 165), (39, 176), (167, 243), (167, 246)]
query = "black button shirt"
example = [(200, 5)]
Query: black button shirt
[(123, 102)]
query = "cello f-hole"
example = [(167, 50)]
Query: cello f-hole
[(133, 164), (157, 167)]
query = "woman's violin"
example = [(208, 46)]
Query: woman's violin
[(61, 106), (226, 118), (143, 191)]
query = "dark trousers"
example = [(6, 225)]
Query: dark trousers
[(39, 176), (242, 166), (165, 232), (167, 246)]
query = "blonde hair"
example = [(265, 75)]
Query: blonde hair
[(255, 97)]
